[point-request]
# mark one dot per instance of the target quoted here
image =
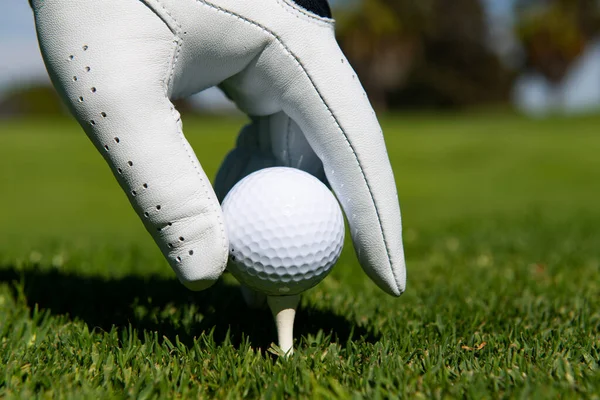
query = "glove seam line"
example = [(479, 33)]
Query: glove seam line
[(176, 29), (292, 55), (168, 86), (204, 188), (173, 19)]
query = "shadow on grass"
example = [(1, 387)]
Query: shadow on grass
[(164, 305)]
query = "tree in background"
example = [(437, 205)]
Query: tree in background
[(554, 33), (427, 53), (381, 45), (32, 100)]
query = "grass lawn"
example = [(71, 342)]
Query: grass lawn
[(501, 229)]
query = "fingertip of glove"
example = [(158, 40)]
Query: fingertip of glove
[(393, 285), (201, 277), (397, 291), (198, 285)]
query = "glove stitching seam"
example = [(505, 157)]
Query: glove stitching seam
[(204, 187), (179, 43), (291, 54), (173, 20), (299, 12), (175, 60), (178, 40), (173, 63)]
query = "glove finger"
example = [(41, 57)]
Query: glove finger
[(330, 106), (249, 155), (114, 75), (274, 140), (290, 147), (315, 85)]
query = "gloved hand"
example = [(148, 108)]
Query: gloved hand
[(119, 63)]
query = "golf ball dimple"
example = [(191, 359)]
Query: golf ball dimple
[(285, 228)]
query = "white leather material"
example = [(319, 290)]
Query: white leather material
[(276, 61), (112, 61), (290, 147), (275, 140)]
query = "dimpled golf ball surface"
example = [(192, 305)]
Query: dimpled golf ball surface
[(286, 230)]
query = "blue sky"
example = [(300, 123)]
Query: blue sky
[(499, 7), (20, 60)]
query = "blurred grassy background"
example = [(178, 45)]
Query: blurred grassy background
[(449, 169)]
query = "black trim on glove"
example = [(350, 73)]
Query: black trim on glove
[(319, 7)]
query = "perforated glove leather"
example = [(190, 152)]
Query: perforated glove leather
[(118, 64)]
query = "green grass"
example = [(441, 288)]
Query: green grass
[(501, 218)]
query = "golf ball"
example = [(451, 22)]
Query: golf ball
[(286, 230)]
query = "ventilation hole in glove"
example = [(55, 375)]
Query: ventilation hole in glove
[(71, 57), (133, 193), (103, 114), (87, 69), (169, 245), (170, 224), (130, 163), (178, 259), (146, 214), (117, 140), (158, 207), (106, 147), (74, 79), (92, 122), (119, 170), (191, 252), (159, 229), (93, 89), (80, 99), (181, 239), (145, 185), (232, 258), (85, 47)]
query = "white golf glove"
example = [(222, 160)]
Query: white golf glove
[(119, 63)]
